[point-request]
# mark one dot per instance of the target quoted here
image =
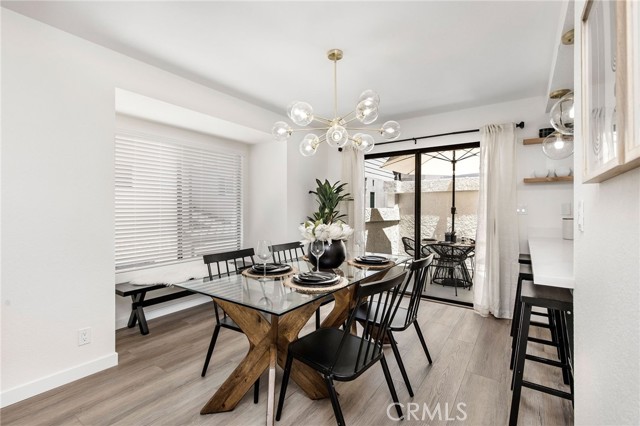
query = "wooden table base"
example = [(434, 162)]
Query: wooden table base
[(268, 345)]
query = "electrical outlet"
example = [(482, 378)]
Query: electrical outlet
[(522, 210), (84, 336)]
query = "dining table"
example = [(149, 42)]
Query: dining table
[(271, 314)]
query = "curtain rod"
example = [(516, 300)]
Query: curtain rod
[(460, 132)]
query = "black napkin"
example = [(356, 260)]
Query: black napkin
[(316, 278), (372, 260), (270, 268)]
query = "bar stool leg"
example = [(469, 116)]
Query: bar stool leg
[(519, 368), (515, 322), (562, 348)]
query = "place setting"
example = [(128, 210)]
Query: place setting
[(370, 262), (269, 270), (316, 282), (265, 271)]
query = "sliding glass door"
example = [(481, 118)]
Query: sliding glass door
[(445, 191)]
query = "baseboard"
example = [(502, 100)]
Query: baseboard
[(160, 310), (27, 390)]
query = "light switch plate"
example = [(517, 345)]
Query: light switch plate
[(581, 216)]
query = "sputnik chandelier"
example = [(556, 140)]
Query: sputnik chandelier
[(336, 129)]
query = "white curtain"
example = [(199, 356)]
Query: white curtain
[(353, 175), (497, 245)]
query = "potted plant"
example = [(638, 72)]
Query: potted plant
[(326, 224)]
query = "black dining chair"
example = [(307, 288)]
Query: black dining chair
[(227, 263), (290, 252), (287, 252), (406, 316), (339, 355), (409, 246)]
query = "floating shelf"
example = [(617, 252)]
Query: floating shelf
[(549, 179), (533, 141)]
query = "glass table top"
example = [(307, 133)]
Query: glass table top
[(272, 296)]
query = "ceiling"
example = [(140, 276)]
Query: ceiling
[(421, 57)]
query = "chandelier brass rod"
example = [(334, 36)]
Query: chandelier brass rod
[(308, 128), (322, 119), (350, 120), (368, 129), (335, 88)]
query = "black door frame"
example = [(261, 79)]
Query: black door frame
[(417, 153)]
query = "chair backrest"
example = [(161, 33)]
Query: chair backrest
[(417, 277), (449, 252), (241, 259), (426, 249), (409, 246), (382, 299), (287, 252)]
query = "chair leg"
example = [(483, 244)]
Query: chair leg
[(212, 345), (317, 318), (562, 353), (424, 345), (334, 401), (256, 391), (515, 306), (519, 368), (283, 386), (392, 389), (396, 353)]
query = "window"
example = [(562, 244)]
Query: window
[(174, 202)]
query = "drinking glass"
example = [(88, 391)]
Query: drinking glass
[(263, 251), (360, 240), (317, 249)]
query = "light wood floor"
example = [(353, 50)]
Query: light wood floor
[(157, 381)]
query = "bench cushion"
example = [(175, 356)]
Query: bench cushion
[(176, 274)]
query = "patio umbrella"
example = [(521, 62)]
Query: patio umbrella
[(440, 163)]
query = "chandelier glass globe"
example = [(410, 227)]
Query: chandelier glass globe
[(301, 113), (562, 114), (309, 145), (337, 136), (390, 130), (281, 131), (557, 146), (364, 142)]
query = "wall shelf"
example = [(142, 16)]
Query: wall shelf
[(533, 141), (549, 179)]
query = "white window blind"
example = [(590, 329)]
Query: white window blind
[(174, 202)]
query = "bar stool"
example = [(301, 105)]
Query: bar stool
[(560, 302), (526, 274)]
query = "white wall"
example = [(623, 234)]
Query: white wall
[(543, 201), (57, 195), (607, 294)]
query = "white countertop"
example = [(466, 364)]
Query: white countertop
[(552, 261)]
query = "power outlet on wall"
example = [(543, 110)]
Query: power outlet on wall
[(84, 336), (521, 209)]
